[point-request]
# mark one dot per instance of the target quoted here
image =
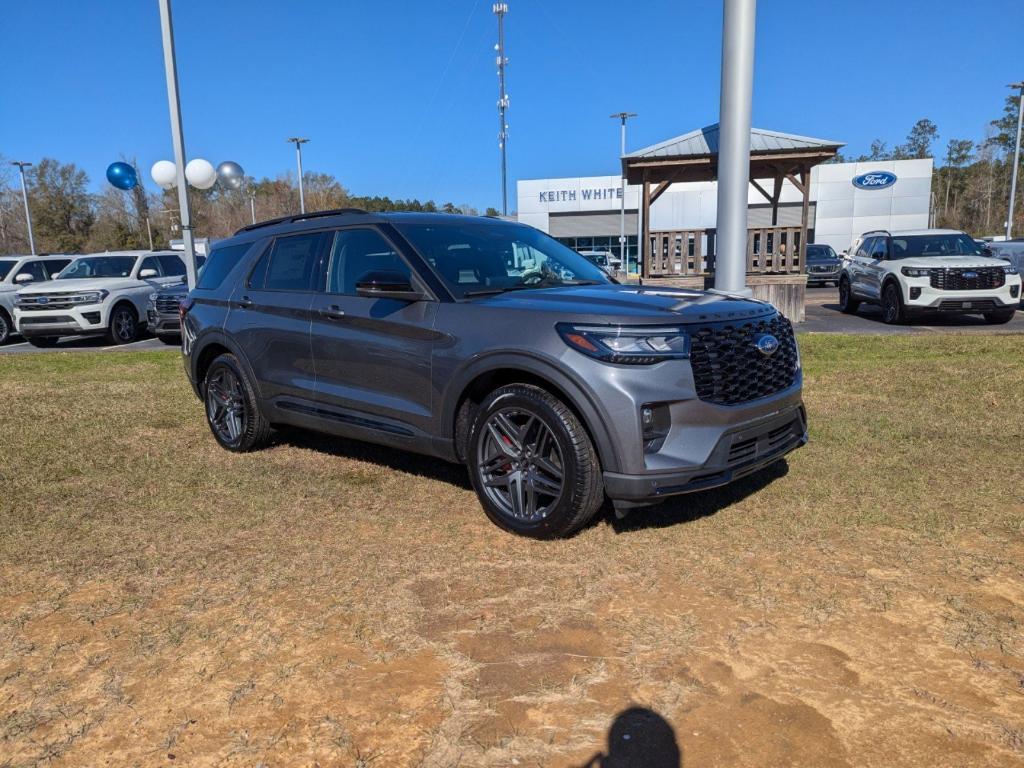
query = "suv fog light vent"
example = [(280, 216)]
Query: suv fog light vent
[(1015, 291), (915, 293), (654, 425), (92, 317)]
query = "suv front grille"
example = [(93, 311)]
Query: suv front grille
[(728, 368), (966, 279), (168, 305)]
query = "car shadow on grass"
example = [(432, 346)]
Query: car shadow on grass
[(689, 507), (390, 458)]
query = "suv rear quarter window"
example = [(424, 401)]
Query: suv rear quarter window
[(220, 262)]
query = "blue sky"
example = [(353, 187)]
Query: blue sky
[(399, 97)]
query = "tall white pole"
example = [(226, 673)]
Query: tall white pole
[(734, 144), (1016, 161), (623, 117), (500, 9), (24, 198), (298, 142), (178, 140), (252, 204)]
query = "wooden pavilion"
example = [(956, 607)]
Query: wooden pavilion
[(775, 254)]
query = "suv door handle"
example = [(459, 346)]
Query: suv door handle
[(245, 302), (333, 312)]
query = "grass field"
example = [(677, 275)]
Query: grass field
[(163, 602)]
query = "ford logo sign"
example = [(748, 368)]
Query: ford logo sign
[(42, 300), (971, 275), (874, 180), (766, 344)]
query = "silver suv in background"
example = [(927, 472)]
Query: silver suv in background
[(17, 272), (555, 386)]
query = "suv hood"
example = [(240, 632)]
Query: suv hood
[(74, 286), (959, 262), (630, 303)]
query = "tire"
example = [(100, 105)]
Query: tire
[(892, 305), (1000, 316), (847, 302), (6, 328), (232, 408), (170, 339), (123, 326), (43, 342), (520, 429)]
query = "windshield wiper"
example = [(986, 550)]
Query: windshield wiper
[(528, 286)]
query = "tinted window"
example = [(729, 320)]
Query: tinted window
[(878, 248), (935, 245), (150, 262), (98, 266), (357, 252), (864, 249), (5, 267), (173, 266), (290, 265), (53, 266), (221, 261), (37, 269)]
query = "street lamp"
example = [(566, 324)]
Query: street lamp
[(1016, 159), (24, 196), (298, 158), (623, 116), (500, 9)]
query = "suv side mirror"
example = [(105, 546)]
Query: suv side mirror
[(145, 274), (387, 285), (23, 277)]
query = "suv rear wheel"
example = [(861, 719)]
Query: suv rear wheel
[(231, 407), (847, 303), (124, 325), (6, 327), (532, 463)]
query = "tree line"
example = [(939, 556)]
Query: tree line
[(68, 218), (971, 182)]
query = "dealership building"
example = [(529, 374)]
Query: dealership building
[(842, 199)]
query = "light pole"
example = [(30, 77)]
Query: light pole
[(252, 204), (24, 196), (623, 116), (738, 23), (1016, 160), (500, 9), (298, 159), (178, 140)]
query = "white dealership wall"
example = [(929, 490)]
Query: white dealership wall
[(840, 211)]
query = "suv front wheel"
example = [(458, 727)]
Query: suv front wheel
[(847, 303), (892, 304), (232, 410), (532, 463), (124, 325)]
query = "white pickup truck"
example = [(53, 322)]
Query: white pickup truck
[(102, 293)]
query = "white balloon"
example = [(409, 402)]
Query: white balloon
[(164, 173), (200, 173)]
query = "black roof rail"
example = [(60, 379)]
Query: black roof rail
[(876, 232), (300, 217)]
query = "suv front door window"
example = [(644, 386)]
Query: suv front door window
[(372, 349)]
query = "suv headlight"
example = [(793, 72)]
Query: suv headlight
[(90, 297), (915, 271), (630, 345), (1010, 269)]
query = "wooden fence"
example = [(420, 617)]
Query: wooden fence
[(770, 250)]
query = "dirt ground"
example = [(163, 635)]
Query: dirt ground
[(163, 602)]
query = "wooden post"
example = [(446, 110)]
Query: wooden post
[(776, 194), (645, 242), (805, 180)]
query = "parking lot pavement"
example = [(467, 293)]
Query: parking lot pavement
[(822, 315), (84, 344)]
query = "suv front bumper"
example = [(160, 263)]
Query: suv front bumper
[(738, 452), (918, 294), (83, 320), (163, 324)]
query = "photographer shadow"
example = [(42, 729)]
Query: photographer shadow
[(639, 738)]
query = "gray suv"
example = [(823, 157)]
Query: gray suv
[(487, 342)]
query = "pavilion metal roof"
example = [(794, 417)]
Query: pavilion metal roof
[(703, 142)]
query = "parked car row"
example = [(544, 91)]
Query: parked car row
[(102, 294)]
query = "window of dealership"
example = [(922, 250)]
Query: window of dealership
[(603, 243)]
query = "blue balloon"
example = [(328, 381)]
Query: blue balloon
[(122, 175)]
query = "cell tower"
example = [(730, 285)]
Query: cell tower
[(500, 9)]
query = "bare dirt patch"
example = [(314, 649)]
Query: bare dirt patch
[(163, 602)]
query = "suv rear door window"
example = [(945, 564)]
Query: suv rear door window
[(357, 252), (220, 262), (289, 265)]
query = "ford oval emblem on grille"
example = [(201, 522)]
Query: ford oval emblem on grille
[(767, 344), (43, 300), (971, 275)]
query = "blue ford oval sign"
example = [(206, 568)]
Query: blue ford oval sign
[(874, 180), (767, 344)]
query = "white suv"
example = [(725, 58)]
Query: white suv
[(927, 270), (104, 293), (18, 272)]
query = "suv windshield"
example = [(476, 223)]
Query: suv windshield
[(477, 258), (98, 266), (909, 246), (818, 252), (6, 265)]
